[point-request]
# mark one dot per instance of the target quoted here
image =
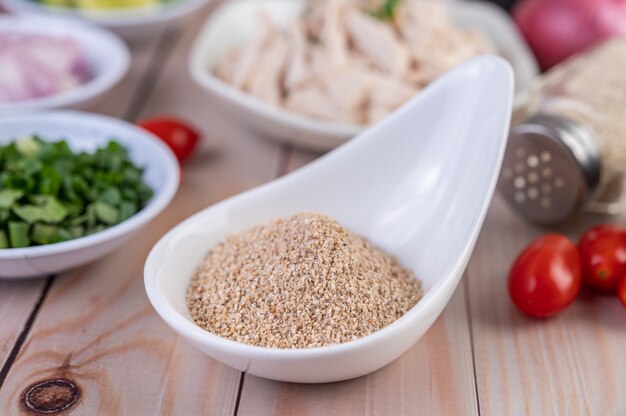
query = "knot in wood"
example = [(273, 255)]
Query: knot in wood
[(51, 396)]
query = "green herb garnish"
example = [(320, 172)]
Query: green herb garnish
[(387, 10), (50, 194)]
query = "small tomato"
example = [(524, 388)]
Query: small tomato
[(546, 277), (180, 137), (603, 252), (621, 291)]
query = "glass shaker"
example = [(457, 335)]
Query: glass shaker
[(567, 146)]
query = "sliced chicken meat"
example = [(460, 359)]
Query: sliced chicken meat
[(250, 54), (387, 95), (350, 88), (266, 80), (426, 28), (313, 100), (338, 62), (378, 42), (298, 69), (332, 35)]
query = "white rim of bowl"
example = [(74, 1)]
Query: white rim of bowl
[(113, 18), (160, 200), (94, 87)]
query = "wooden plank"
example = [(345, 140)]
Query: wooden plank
[(97, 327), (435, 377), (18, 298), (296, 158), (119, 102), (572, 364)]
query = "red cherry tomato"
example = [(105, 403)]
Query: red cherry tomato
[(546, 276), (621, 291), (181, 138), (603, 252)]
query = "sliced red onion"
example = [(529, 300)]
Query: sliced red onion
[(37, 66)]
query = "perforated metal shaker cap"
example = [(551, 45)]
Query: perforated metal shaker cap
[(551, 167)]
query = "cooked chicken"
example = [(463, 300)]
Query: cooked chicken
[(350, 88), (332, 34), (266, 81), (378, 42), (249, 55), (387, 94), (313, 100), (298, 71), (390, 92), (350, 60), (426, 28)]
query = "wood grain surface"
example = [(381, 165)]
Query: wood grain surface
[(572, 364), (439, 365), (17, 300), (435, 377), (91, 334)]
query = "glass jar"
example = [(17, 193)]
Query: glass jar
[(567, 147)]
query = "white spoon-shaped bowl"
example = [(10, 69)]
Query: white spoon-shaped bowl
[(417, 185)]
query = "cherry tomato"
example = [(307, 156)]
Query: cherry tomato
[(603, 252), (546, 276), (181, 138), (621, 291)]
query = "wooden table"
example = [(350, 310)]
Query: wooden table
[(91, 334)]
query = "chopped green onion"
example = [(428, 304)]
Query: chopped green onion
[(18, 234), (48, 193)]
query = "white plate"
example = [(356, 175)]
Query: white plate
[(235, 23), (418, 184), (132, 24), (84, 131), (106, 55)]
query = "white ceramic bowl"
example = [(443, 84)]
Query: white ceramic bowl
[(132, 24), (235, 23), (106, 55), (85, 131), (418, 185)]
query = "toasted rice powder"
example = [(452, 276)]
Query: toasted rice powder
[(299, 282)]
